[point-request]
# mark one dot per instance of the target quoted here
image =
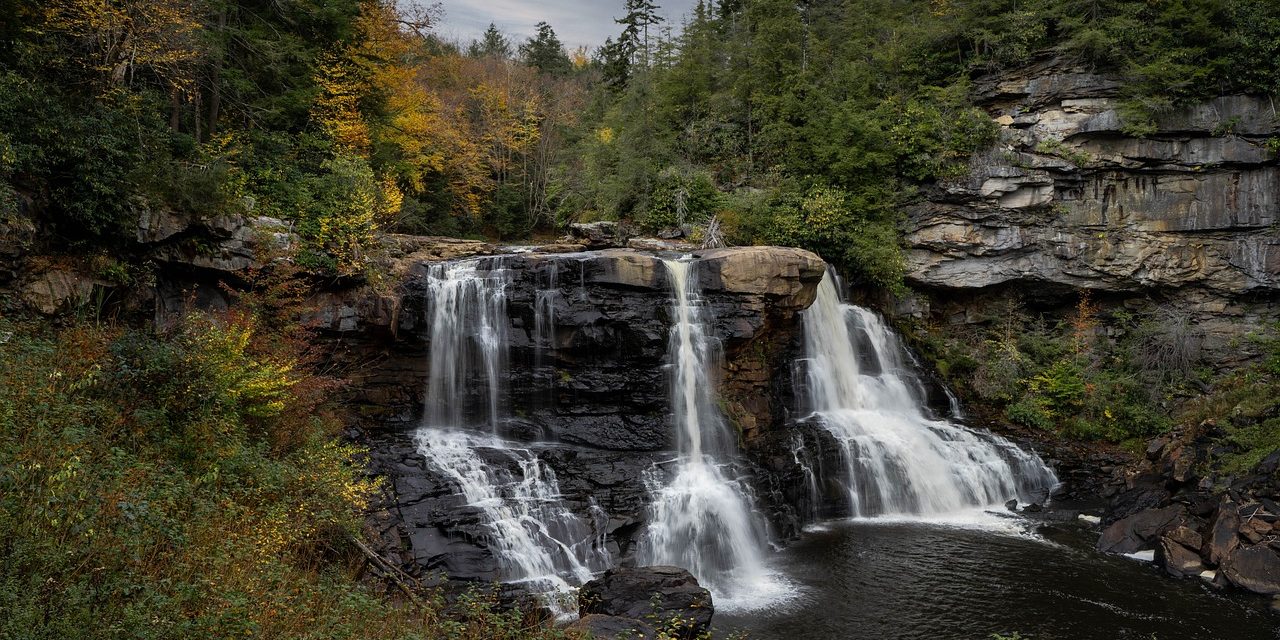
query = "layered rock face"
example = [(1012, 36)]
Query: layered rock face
[(584, 386), (1184, 218)]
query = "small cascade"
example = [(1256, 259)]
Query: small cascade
[(544, 311), (534, 537), (702, 519), (901, 461)]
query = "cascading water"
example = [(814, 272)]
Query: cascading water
[(899, 460), (535, 538), (701, 519)]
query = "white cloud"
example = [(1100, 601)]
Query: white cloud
[(577, 22)]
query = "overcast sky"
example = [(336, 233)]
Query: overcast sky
[(577, 22)]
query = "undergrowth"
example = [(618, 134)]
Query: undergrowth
[(190, 484)]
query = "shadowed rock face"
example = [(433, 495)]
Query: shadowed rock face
[(589, 398), (1185, 217)]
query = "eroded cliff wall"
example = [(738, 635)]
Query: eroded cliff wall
[(1184, 218)]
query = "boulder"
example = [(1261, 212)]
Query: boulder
[(604, 234), (1140, 531), (58, 290), (669, 595), (1255, 568), (783, 273), (1223, 536), (1177, 552), (228, 244), (597, 625), (405, 252), (156, 225)]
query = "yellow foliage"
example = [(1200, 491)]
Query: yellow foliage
[(259, 387), (121, 36)]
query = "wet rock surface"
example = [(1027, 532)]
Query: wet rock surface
[(584, 387), (1197, 527)]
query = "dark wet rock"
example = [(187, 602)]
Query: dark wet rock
[(1255, 568), (670, 596), (1178, 552), (1147, 492), (601, 626), (1177, 560), (1140, 531), (1011, 505), (1033, 508)]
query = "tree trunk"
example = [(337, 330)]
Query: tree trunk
[(215, 91)]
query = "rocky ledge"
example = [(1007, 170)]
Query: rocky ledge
[(584, 386), (1184, 218)]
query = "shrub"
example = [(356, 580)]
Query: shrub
[(679, 198)]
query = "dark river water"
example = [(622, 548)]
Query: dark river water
[(888, 581)]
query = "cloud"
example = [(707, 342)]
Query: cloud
[(577, 22)]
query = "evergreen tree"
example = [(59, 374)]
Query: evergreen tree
[(545, 52), (493, 44), (615, 63), (639, 16)]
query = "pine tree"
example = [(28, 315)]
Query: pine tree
[(545, 52), (493, 44), (640, 15)]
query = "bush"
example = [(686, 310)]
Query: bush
[(859, 237), (679, 198)]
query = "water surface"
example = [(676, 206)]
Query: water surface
[(887, 580)]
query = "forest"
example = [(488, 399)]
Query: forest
[(802, 123)]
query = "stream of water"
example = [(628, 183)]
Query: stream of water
[(536, 540), (898, 459), (702, 518)]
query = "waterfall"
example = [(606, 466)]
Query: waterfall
[(899, 460), (468, 304), (534, 537), (702, 519)]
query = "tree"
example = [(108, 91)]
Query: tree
[(493, 44), (639, 16), (545, 52)]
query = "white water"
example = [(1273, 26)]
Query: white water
[(899, 461), (468, 331), (534, 537), (701, 519)]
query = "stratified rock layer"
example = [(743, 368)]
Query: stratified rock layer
[(1184, 218)]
